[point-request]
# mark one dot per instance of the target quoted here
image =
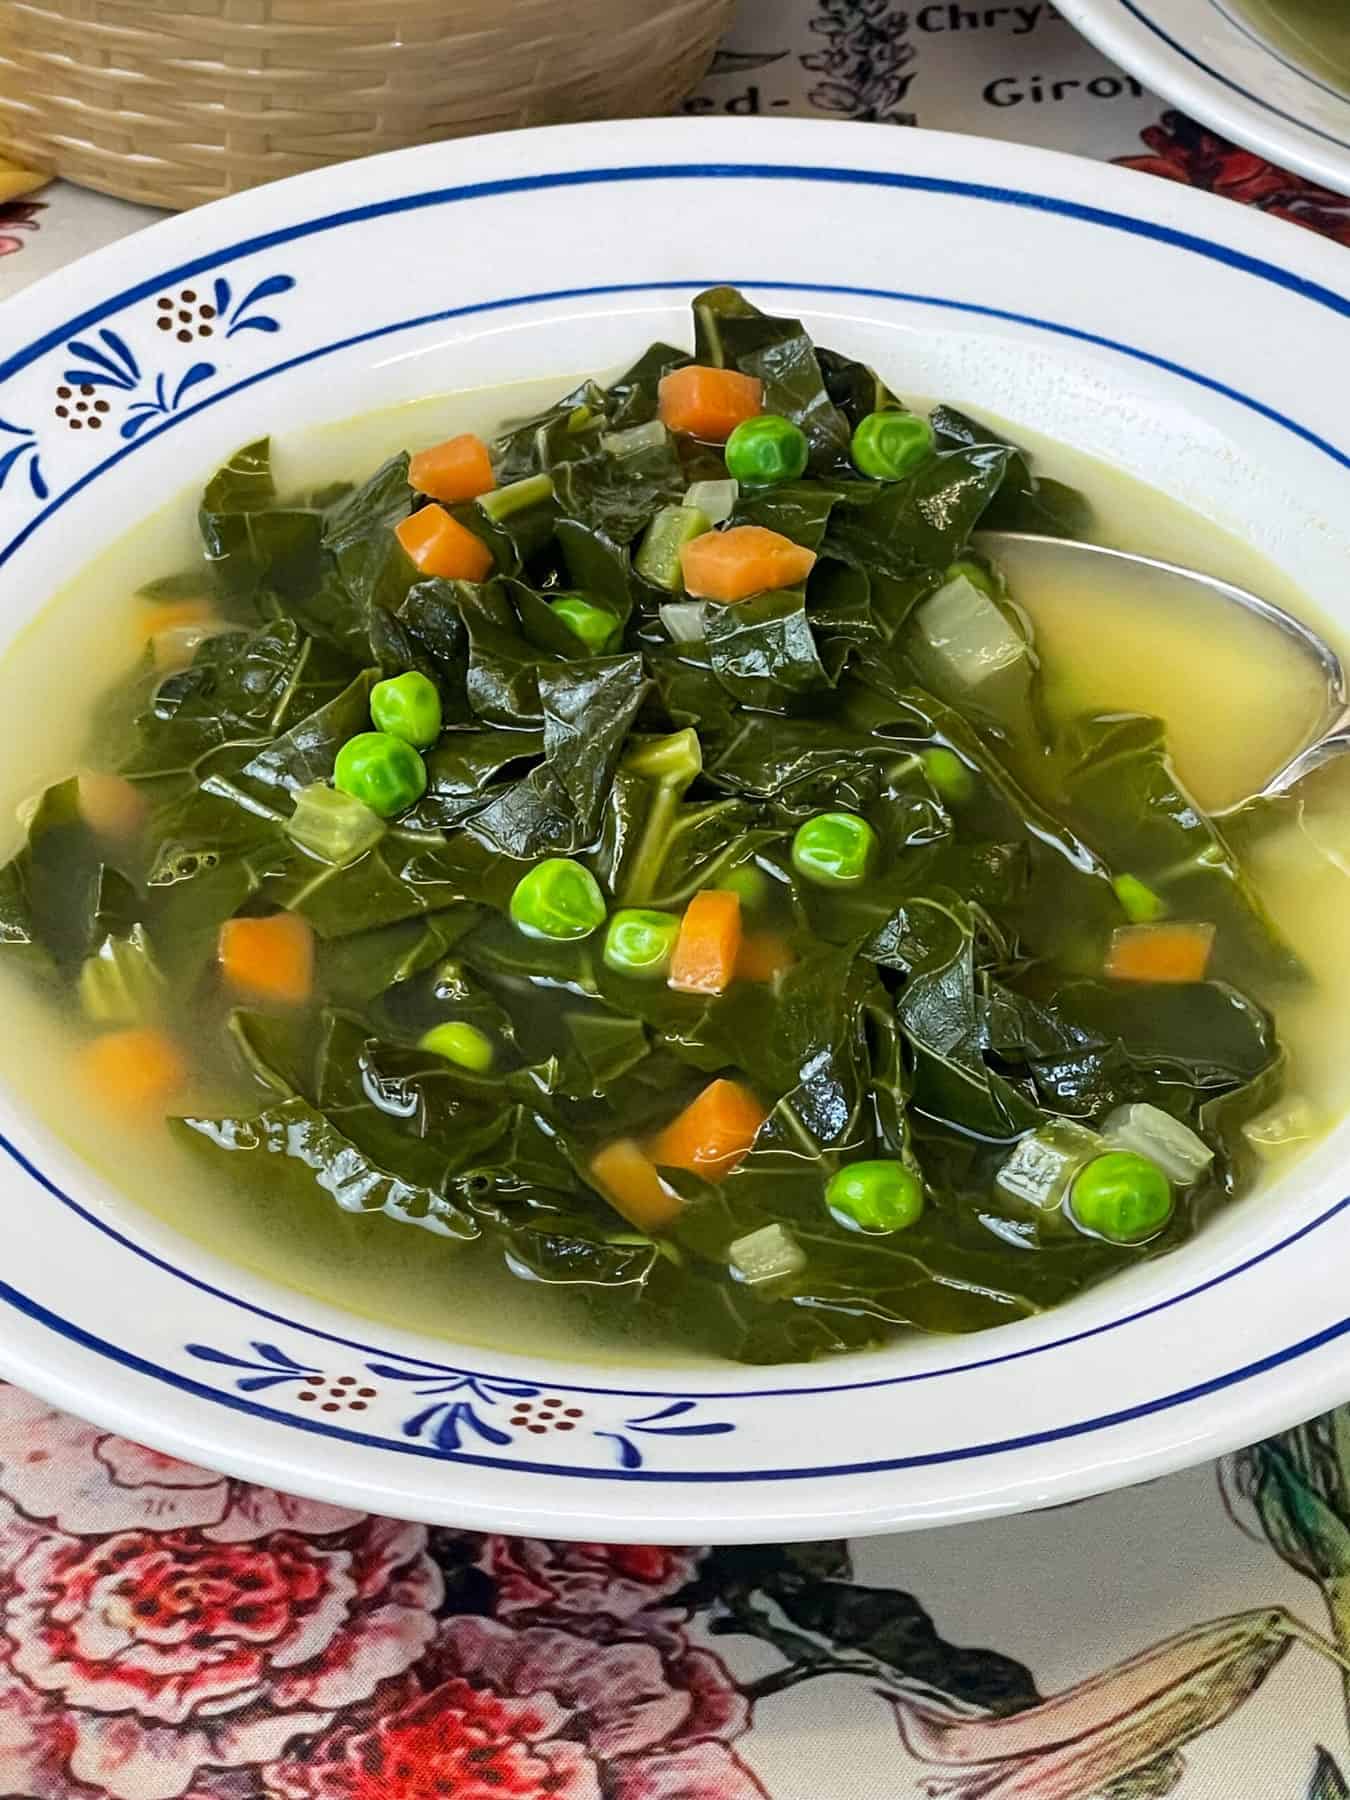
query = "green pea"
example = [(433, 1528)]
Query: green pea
[(766, 449), (750, 883), (875, 1196), (948, 775), (408, 707), (383, 771), (459, 1043), (640, 943), (559, 899), (834, 849), (1122, 1197), (594, 625), (891, 445)]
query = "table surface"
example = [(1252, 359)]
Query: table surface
[(165, 1631)]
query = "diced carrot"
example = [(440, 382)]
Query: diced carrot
[(458, 469), (1174, 952), (704, 959), (747, 559), (168, 615), (174, 629), (111, 806), (440, 545), (763, 956), (629, 1181), (713, 1133), (269, 959), (133, 1071), (708, 403)]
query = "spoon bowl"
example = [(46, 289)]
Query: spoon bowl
[(1330, 733)]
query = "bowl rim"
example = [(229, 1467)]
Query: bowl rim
[(1166, 218), (1161, 42)]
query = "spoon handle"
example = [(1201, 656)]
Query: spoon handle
[(1333, 742)]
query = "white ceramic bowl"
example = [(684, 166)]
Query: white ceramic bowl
[(1211, 60), (1186, 340)]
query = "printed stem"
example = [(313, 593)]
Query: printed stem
[(1336, 1593)]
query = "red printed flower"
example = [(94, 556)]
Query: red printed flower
[(1189, 153), (135, 1660), (454, 1741), (60, 1471), (537, 1714), (542, 1578)]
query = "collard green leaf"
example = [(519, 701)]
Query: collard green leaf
[(58, 897), (1120, 784), (249, 541), (297, 1141), (240, 688), (618, 495), (1024, 501), (923, 522), (763, 651)]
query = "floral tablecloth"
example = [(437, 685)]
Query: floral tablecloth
[(167, 1632)]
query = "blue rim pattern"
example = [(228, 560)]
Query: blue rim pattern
[(1311, 291), (1217, 75)]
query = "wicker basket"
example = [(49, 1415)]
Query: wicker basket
[(173, 102)]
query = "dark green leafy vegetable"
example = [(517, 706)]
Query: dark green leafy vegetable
[(928, 884)]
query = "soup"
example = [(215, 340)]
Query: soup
[(649, 886), (1315, 32)]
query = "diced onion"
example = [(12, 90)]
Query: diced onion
[(1179, 1152), (634, 440), (716, 500), (335, 827), (1290, 1122), (769, 1254), (965, 636), (1040, 1168), (683, 619)]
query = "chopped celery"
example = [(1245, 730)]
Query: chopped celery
[(675, 759), (658, 557), (1290, 1122), (1141, 905), (637, 438), (683, 619), (501, 503), (669, 764), (769, 1254), (1040, 1168), (335, 827), (1178, 1151), (964, 636), (716, 500), (120, 984)]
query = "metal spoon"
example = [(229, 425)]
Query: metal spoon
[(1332, 734)]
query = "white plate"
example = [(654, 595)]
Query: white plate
[(1185, 339), (1209, 58)]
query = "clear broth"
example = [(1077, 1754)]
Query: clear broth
[(1238, 697)]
